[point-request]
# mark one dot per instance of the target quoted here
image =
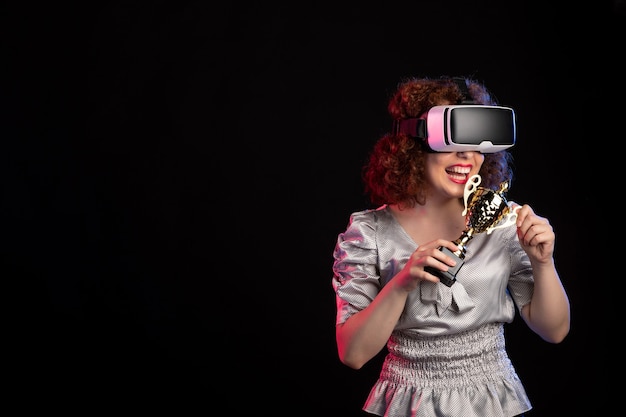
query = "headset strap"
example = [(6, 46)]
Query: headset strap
[(462, 84), (413, 127)]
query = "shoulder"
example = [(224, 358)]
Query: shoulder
[(364, 225), (370, 217)]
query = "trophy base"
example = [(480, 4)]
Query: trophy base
[(447, 277)]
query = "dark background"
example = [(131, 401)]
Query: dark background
[(175, 175)]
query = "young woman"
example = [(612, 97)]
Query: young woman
[(446, 348)]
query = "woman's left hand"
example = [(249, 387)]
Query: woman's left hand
[(535, 234)]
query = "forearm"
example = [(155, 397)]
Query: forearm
[(365, 333), (548, 313)]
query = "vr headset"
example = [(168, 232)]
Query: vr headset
[(463, 127)]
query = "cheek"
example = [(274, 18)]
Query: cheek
[(477, 163)]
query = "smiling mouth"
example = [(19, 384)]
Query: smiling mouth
[(458, 173)]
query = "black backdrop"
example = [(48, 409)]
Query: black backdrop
[(175, 175)]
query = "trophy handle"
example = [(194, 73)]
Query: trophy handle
[(470, 186), (507, 220)]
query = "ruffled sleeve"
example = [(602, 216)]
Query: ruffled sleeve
[(521, 281), (356, 276)]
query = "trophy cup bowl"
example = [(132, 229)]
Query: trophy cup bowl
[(485, 210)]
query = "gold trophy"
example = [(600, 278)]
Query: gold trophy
[(485, 210)]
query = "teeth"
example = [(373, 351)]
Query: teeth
[(459, 170)]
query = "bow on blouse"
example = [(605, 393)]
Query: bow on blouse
[(454, 297)]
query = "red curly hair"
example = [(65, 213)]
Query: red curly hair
[(395, 171)]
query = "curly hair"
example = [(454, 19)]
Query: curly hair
[(395, 170)]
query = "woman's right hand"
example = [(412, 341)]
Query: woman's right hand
[(425, 255)]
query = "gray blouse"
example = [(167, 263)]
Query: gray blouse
[(374, 248)]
